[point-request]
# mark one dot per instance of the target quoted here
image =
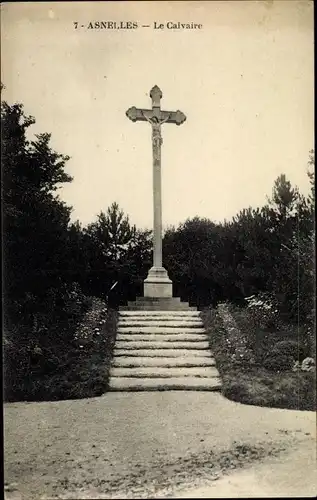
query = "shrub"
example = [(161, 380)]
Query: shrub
[(90, 371), (52, 359), (284, 355), (263, 311), (273, 387), (276, 362), (92, 321), (289, 348), (236, 343), (39, 337), (276, 390), (248, 389)]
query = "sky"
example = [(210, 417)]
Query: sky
[(245, 82)]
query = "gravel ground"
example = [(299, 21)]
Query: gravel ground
[(269, 479), (143, 445)]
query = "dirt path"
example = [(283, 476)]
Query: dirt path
[(140, 445)]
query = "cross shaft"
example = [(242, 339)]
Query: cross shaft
[(156, 117)]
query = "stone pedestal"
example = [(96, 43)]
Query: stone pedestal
[(157, 283)]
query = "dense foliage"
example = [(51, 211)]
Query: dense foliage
[(53, 268), (262, 360), (268, 249)]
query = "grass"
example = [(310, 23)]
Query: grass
[(251, 383)]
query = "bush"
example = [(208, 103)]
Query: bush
[(290, 348), (52, 358), (88, 374), (273, 387), (248, 388), (295, 391), (263, 312), (276, 362), (38, 337), (284, 355), (236, 343)]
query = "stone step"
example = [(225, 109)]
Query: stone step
[(187, 361), (162, 353), (177, 337), (158, 345), (158, 307), (159, 304), (164, 384), (162, 372), (160, 317), (159, 324), (175, 300), (142, 314), (160, 321), (157, 329), (141, 301)]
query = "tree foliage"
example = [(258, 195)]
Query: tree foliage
[(117, 252), (267, 249), (35, 220), (35, 249)]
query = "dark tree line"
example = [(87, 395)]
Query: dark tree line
[(110, 250), (52, 266), (268, 249)]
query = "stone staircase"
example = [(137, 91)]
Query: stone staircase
[(160, 348)]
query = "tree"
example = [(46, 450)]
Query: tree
[(117, 252), (284, 197), (34, 219), (251, 229), (265, 249), (190, 255), (35, 250), (112, 232), (293, 226)]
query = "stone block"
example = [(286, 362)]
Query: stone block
[(157, 283)]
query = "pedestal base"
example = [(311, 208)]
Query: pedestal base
[(157, 283)]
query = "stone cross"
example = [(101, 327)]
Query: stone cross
[(157, 284)]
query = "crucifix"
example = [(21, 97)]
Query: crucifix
[(157, 284)]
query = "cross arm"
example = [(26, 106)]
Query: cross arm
[(136, 114), (176, 117)]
